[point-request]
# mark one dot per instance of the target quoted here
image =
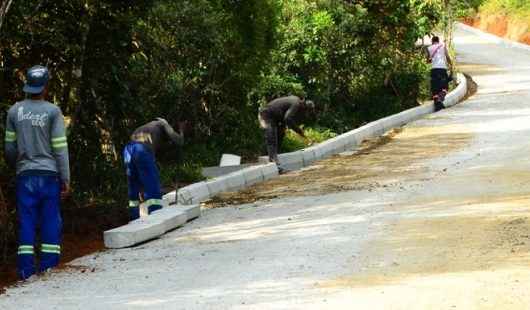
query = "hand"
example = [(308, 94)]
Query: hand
[(65, 190)]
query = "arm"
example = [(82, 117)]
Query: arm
[(449, 61), (290, 119), (60, 147), (427, 54), (176, 138), (10, 145)]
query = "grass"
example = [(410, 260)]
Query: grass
[(293, 142)]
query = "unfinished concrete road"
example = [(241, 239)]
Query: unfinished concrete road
[(435, 217)]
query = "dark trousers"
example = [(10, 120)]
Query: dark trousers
[(439, 87), (274, 134), (38, 206)]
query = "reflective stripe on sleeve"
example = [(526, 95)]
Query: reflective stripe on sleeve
[(11, 136), (59, 142)]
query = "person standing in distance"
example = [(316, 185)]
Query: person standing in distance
[(36, 144), (438, 56), (279, 114)]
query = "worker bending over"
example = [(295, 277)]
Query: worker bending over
[(35, 142), (142, 172), (277, 116)]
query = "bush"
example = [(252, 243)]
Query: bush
[(293, 142)]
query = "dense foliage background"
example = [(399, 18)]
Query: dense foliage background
[(118, 64)]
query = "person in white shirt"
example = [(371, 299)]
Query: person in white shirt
[(438, 56)]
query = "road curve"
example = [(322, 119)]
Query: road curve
[(437, 216)]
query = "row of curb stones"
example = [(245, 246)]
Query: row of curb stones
[(183, 205)]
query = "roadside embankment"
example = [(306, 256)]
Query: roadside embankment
[(501, 21)]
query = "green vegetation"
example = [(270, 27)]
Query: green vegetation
[(116, 65), (515, 8), (293, 142)]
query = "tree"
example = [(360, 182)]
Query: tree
[(4, 8)]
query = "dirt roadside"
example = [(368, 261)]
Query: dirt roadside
[(83, 235), (378, 163)]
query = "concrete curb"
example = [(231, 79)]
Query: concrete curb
[(189, 197), (193, 194), (493, 38), (235, 181), (150, 227)]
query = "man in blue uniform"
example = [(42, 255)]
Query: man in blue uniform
[(140, 163), (35, 142)]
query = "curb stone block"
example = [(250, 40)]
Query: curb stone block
[(425, 109), (191, 211), (350, 140), (269, 171), (459, 93), (216, 186), (170, 198), (374, 129), (449, 102), (361, 134), (308, 156), (132, 233), (234, 181), (216, 171), (292, 160), (379, 129), (340, 144), (411, 115), (388, 123), (394, 121), (170, 218), (336, 145), (252, 175), (150, 227), (193, 194), (317, 153), (324, 149), (328, 148)]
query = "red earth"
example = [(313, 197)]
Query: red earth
[(83, 235), (497, 25)]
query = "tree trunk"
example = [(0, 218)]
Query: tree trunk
[(4, 8)]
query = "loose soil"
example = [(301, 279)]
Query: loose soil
[(379, 162), (461, 243), (83, 235), (502, 26)]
